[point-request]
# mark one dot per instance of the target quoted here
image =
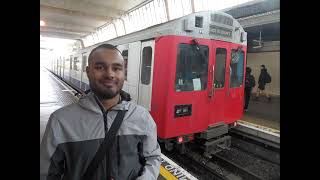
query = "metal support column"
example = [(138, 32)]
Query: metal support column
[(167, 10), (192, 6)]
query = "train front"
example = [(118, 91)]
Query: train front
[(199, 71)]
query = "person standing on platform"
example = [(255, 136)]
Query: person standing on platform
[(104, 135), (264, 78), (249, 84)]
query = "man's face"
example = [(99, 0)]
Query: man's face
[(106, 73)]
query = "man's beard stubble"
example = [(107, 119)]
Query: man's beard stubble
[(104, 94)]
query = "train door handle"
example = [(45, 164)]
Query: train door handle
[(228, 91), (211, 92)]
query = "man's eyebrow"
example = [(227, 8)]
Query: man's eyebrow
[(117, 64)]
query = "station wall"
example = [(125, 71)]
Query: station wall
[(272, 62)]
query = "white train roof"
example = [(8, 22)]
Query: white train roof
[(205, 24)]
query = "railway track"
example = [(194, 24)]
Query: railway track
[(225, 165), (215, 168), (236, 170)]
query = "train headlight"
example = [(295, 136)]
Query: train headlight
[(182, 110)]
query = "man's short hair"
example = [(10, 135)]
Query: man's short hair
[(102, 46)]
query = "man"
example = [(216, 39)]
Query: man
[(249, 84), (74, 133), (264, 78)]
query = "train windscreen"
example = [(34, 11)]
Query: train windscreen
[(192, 67)]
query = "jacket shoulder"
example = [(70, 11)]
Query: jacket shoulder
[(69, 109), (139, 115)]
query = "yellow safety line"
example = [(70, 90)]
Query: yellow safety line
[(260, 126), (166, 174)]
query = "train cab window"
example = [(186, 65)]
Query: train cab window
[(125, 58), (146, 65), (236, 68), (220, 67), (84, 63), (192, 68), (75, 67)]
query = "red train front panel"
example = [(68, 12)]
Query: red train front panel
[(196, 83)]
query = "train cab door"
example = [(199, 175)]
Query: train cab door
[(235, 82), (146, 74), (218, 86), (124, 49), (131, 84)]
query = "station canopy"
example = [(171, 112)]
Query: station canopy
[(94, 21)]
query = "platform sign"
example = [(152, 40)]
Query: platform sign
[(170, 170)]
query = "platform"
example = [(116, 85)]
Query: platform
[(54, 93), (264, 113)]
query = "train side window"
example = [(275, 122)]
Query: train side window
[(125, 58), (146, 65), (84, 63), (220, 67), (236, 68), (192, 68)]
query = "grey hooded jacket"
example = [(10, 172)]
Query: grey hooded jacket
[(75, 132)]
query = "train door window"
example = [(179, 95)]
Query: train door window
[(84, 63), (125, 57), (236, 68), (220, 67), (192, 68), (75, 67), (146, 65)]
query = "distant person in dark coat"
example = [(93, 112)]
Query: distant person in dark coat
[(249, 84), (264, 78)]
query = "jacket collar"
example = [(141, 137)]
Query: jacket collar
[(88, 102)]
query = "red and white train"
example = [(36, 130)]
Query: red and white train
[(188, 72)]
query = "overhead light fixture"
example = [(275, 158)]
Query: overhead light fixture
[(42, 23)]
